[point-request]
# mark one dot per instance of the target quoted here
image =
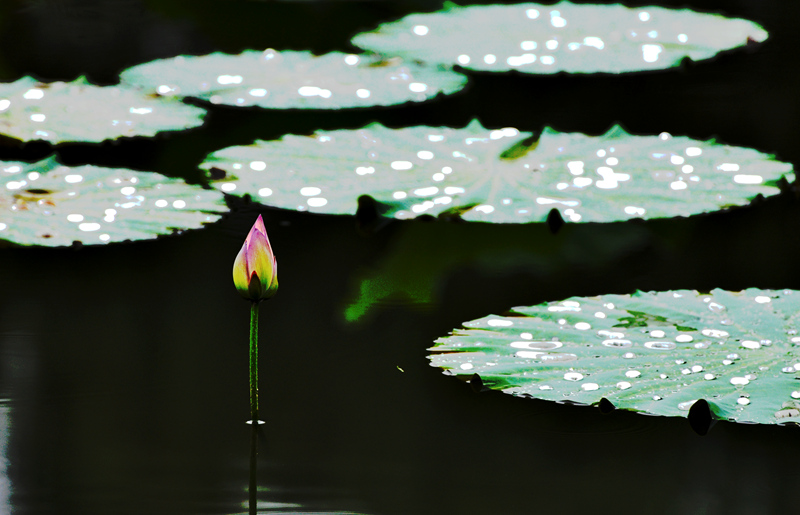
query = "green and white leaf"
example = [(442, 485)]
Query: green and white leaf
[(567, 37), (80, 111), (47, 203), (500, 176), (289, 79), (655, 353)]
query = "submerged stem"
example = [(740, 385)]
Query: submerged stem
[(254, 363)]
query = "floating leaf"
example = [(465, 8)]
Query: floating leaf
[(79, 111), (496, 175), (567, 37), (656, 353), (47, 203), (295, 79)]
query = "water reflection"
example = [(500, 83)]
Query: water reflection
[(5, 432)]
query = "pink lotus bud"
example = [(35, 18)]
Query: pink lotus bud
[(255, 270)]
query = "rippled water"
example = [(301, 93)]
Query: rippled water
[(123, 369)]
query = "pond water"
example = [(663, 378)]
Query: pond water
[(123, 368)]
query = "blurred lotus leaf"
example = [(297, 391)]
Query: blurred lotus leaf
[(79, 111), (47, 203), (568, 37), (500, 176), (288, 79), (656, 353)]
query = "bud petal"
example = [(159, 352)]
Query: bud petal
[(255, 269)]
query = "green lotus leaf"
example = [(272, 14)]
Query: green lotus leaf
[(79, 111), (495, 175), (656, 353), (291, 79), (546, 39), (47, 203)]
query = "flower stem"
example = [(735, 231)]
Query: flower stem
[(254, 363), (253, 490)]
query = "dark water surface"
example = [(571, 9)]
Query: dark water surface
[(123, 369)]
